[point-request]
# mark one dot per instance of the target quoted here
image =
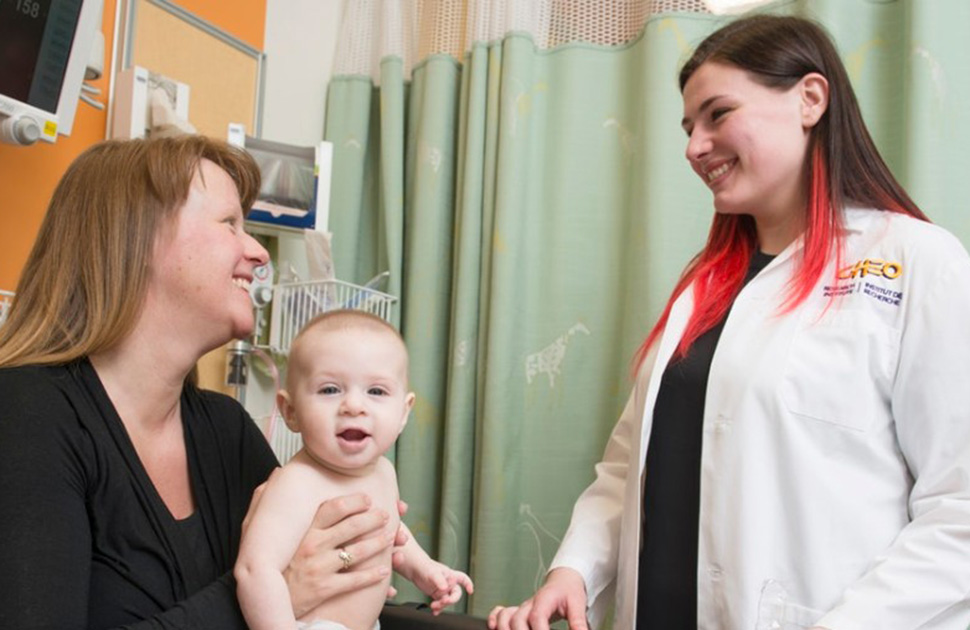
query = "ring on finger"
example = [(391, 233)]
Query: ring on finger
[(346, 557)]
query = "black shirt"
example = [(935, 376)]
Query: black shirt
[(192, 531), (667, 587), (86, 542)]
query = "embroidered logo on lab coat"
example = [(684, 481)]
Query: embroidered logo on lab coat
[(858, 271), (871, 266)]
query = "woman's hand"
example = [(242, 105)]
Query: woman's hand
[(563, 596), (317, 571)]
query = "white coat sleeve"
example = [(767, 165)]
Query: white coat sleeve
[(923, 578), (592, 540)]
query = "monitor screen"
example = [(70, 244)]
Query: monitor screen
[(35, 45)]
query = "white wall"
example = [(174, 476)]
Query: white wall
[(301, 38), (300, 42)]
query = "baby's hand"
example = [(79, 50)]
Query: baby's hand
[(442, 584)]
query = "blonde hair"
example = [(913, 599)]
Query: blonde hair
[(342, 319), (85, 280)]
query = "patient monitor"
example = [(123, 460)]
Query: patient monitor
[(45, 47)]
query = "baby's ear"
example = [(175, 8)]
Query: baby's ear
[(285, 405), (408, 405)]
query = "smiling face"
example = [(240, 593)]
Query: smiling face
[(203, 264), (749, 142), (347, 394)]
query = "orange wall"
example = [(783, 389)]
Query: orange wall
[(28, 175)]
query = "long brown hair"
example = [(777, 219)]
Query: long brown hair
[(844, 166), (85, 280)]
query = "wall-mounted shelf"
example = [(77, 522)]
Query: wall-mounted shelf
[(295, 192)]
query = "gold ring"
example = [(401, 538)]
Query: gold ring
[(346, 557)]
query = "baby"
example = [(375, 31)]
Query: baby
[(346, 393)]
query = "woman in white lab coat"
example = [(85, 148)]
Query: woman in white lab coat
[(796, 450)]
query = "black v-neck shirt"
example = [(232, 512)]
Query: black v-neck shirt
[(86, 542), (196, 540), (667, 586)]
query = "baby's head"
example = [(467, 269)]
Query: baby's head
[(347, 389)]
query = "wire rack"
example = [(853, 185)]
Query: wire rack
[(295, 304), (6, 299)]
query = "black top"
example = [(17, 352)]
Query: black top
[(85, 539), (192, 531), (667, 587)]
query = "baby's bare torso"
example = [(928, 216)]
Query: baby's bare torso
[(358, 610)]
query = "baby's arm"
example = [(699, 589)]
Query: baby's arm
[(436, 580), (282, 517)]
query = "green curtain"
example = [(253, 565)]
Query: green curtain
[(534, 208)]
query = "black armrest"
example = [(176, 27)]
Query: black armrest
[(418, 617)]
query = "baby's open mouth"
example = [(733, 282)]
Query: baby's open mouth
[(352, 435)]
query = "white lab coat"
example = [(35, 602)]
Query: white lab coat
[(835, 471)]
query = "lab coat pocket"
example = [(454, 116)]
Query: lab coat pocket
[(776, 611), (840, 368)]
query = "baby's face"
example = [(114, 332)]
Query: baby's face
[(350, 397)]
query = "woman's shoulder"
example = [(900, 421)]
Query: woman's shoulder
[(215, 413), (40, 375), (43, 407), (28, 387), (220, 423), (223, 404), (902, 235)]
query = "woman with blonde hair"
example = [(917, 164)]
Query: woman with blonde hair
[(125, 486), (796, 451)]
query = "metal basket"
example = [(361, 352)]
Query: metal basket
[(6, 300), (295, 304)]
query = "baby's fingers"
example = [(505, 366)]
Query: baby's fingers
[(439, 584), (446, 599), (464, 581)]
